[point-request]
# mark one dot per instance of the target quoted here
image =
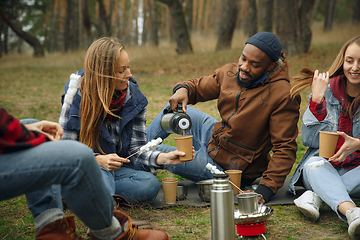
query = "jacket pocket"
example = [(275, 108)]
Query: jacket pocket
[(231, 154)]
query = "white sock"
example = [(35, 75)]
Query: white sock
[(50, 215), (109, 233)]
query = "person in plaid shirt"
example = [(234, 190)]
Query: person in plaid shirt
[(35, 163), (332, 107), (108, 114)]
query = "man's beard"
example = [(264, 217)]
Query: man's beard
[(242, 83), (249, 83)]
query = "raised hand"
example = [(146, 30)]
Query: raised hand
[(319, 85)]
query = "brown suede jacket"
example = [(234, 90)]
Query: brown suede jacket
[(258, 128)]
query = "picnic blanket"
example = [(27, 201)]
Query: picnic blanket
[(283, 197)]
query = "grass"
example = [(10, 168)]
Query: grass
[(31, 88)]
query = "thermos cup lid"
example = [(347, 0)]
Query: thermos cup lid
[(222, 175)]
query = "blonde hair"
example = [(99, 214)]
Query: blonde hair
[(97, 88), (336, 69)]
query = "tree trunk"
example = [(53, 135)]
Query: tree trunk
[(61, 34), (106, 18), (287, 26), (6, 39), (194, 16), (68, 37), (293, 25), (200, 16), (207, 16), (19, 43), (32, 40), (145, 22), (330, 12), (227, 24), (51, 41), (180, 29), (189, 15), (86, 21), (305, 15), (154, 38), (2, 32), (314, 10), (356, 12), (268, 16), (252, 18), (75, 28), (136, 17)]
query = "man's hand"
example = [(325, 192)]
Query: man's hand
[(180, 96), (51, 129), (171, 158), (251, 191), (111, 162)]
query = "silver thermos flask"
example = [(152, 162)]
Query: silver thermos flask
[(175, 122), (222, 209)]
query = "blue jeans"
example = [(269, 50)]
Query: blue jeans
[(333, 186), (135, 185), (69, 167), (201, 129)]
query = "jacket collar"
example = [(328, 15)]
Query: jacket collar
[(337, 86)]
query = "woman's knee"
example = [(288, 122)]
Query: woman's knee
[(139, 188), (150, 184)]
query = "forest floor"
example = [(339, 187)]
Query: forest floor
[(31, 88)]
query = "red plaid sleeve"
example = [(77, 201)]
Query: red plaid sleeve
[(15, 137), (318, 109)]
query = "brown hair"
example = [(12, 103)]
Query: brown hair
[(336, 69), (97, 89)]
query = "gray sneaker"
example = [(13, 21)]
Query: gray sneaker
[(353, 219), (309, 204)]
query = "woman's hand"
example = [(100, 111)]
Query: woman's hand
[(51, 129), (111, 162), (319, 85), (171, 158), (350, 145)]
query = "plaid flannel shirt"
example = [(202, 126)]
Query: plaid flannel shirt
[(138, 138), (14, 136)]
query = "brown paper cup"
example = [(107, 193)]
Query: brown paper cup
[(327, 143), (235, 177), (184, 144), (170, 189)]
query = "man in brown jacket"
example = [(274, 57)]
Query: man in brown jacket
[(258, 126)]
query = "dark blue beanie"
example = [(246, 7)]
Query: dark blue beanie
[(268, 43)]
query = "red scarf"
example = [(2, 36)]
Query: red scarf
[(116, 104)]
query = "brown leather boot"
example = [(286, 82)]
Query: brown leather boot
[(62, 229), (131, 232), (120, 202)]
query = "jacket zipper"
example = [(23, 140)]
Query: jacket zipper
[(238, 144), (237, 106)]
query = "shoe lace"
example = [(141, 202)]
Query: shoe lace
[(132, 232)]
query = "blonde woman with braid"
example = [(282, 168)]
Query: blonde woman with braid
[(108, 114), (332, 107)]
